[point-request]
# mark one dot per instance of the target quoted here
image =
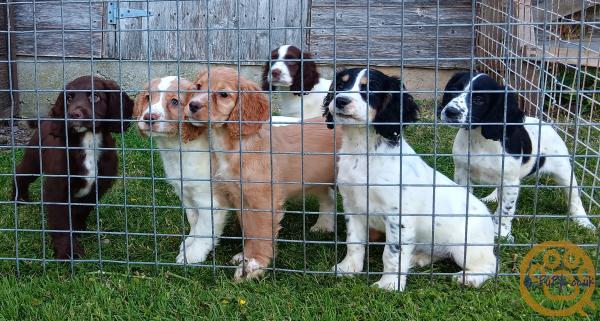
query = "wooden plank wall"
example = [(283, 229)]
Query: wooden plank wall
[(387, 36), (239, 30), (74, 21), (178, 30)]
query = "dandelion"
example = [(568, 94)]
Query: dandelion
[(242, 301)]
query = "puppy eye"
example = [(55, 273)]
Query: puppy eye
[(174, 102), (95, 98), (147, 97), (69, 99), (223, 94), (198, 86)]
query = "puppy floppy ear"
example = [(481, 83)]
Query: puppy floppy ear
[(119, 107), (266, 84), (326, 113), (410, 109), (253, 106), (57, 127), (310, 74), (514, 115), (140, 103), (395, 105)]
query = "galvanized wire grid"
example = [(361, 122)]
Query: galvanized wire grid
[(551, 63)]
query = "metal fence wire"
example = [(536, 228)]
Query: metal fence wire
[(546, 52)]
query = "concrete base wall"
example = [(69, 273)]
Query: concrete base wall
[(39, 82)]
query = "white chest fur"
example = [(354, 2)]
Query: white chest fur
[(308, 105), (89, 143), (188, 160)]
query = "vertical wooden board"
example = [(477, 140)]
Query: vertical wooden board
[(239, 30), (9, 100), (43, 26)]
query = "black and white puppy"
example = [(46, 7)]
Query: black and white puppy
[(290, 71), (477, 104), (372, 109)]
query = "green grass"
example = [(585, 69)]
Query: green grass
[(161, 291)]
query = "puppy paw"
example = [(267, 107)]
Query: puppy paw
[(20, 196), (347, 267), (186, 243), (466, 279), (238, 258), (507, 238), (391, 283), (324, 224), (491, 198), (505, 232), (196, 252), (248, 269), (584, 222)]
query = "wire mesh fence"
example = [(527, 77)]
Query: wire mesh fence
[(171, 190)]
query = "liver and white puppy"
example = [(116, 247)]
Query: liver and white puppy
[(75, 150), (417, 207), (270, 167), (477, 105), (289, 71), (186, 161)]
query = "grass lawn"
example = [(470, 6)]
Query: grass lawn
[(139, 279)]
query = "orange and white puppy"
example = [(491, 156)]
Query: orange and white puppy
[(271, 167), (186, 161)]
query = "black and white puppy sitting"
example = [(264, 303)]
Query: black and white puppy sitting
[(477, 105), (371, 109), (306, 89)]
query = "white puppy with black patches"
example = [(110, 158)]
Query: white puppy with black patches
[(504, 145), (421, 210)]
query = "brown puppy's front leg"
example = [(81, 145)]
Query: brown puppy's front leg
[(28, 170), (259, 228), (58, 218), (62, 239)]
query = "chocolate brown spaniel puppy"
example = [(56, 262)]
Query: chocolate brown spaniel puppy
[(78, 159)]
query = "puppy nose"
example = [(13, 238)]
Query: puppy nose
[(341, 102), (150, 117), (194, 106), (75, 114), (276, 73), (452, 112)]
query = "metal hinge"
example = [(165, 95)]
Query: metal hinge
[(114, 13)]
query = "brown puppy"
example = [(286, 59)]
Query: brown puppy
[(79, 150), (271, 169)]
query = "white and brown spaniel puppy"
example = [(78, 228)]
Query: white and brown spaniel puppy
[(186, 161), (421, 211), (305, 88), (505, 146), (256, 166)]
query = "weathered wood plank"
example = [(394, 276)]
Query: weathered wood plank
[(394, 32), (381, 3), (81, 24), (9, 101), (238, 31)]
